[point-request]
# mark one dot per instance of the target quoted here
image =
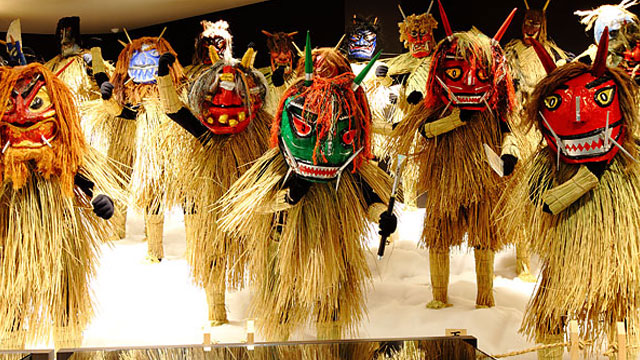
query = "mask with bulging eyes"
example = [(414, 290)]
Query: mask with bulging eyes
[(143, 66), (416, 31)]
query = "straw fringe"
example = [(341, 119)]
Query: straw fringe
[(589, 251), (300, 279), (461, 187)]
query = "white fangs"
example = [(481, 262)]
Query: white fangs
[(46, 141), (6, 146), (591, 145)]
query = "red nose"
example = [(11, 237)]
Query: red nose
[(227, 95)]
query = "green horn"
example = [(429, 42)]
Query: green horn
[(308, 62), (358, 80)]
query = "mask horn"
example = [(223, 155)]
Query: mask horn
[(162, 33), (363, 73), (445, 20), (503, 29), (544, 9), (308, 62), (600, 63), (546, 60), (292, 34), (126, 33), (526, 5), (248, 58), (402, 12), (339, 42), (430, 6), (213, 54), (124, 44), (354, 19), (375, 21), (267, 33)]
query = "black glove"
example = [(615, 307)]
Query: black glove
[(509, 163), (106, 90), (103, 206), (298, 188), (277, 78), (388, 223), (251, 45), (382, 70), (545, 208), (393, 98), (465, 115), (100, 78), (164, 62), (414, 97)]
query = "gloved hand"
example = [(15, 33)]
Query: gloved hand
[(87, 58), (509, 163), (106, 90), (414, 97), (597, 168), (387, 224), (382, 70), (393, 98), (278, 76), (165, 61), (103, 206)]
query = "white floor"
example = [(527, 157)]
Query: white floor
[(138, 303)]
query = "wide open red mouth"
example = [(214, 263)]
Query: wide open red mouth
[(227, 119), (29, 134)]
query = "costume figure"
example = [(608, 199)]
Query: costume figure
[(137, 134), (362, 39), (228, 130), (214, 34), (578, 195), (49, 238), (526, 70), (469, 101), (609, 16), (280, 75), (302, 207)]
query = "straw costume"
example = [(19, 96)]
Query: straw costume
[(579, 196), (469, 101), (526, 70), (137, 135), (228, 130), (280, 74), (49, 237), (303, 206)]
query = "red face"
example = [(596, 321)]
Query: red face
[(30, 118), (577, 113), (419, 43), (282, 59), (531, 26), (231, 105), (466, 83), (631, 59)]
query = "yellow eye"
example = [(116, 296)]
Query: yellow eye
[(604, 97), (453, 73), (482, 75), (552, 102), (41, 101)]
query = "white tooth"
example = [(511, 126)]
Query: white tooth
[(6, 146), (46, 141)]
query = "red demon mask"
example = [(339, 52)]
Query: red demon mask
[(582, 118), (228, 96), (30, 119), (631, 58), (281, 49), (468, 81)]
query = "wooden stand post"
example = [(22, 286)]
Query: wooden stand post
[(574, 336), (206, 336), (250, 334), (622, 340)]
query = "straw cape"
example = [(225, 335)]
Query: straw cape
[(307, 260), (49, 236), (216, 161)]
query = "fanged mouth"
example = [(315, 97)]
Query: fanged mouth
[(589, 145), (320, 172), (143, 73), (469, 99), (227, 115), (28, 135)]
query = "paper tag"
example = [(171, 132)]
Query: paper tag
[(494, 160), (455, 332)]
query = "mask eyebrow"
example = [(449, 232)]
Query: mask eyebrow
[(599, 81), (562, 87)]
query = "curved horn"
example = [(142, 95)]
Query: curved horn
[(526, 5), (308, 62), (213, 54), (600, 63), (544, 9), (248, 58), (267, 33), (445, 20), (291, 34), (402, 12), (546, 60), (375, 21), (498, 36), (363, 73)]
